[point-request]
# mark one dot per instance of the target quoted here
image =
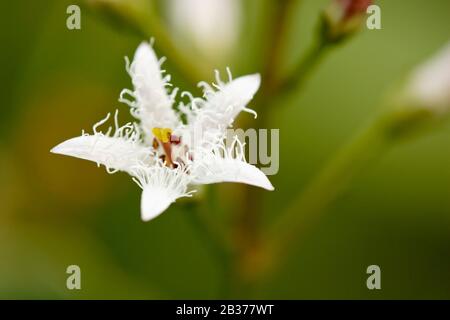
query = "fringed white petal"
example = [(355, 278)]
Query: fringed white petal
[(113, 153), (161, 186), (150, 101), (221, 105), (227, 165), (118, 151), (231, 98), (218, 169)]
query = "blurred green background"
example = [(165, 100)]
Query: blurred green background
[(56, 211)]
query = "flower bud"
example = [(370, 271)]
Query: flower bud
[(424, 99), (342, 18), (429, 85)]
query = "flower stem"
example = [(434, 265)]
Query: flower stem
[(305, 66), (216, 245), (248, 226), (282, 18), (325, 188), (392, 126)]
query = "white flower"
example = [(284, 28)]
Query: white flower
[(430, 83), (213, 26), (163, 155)]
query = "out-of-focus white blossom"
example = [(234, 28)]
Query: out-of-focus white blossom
[(212, 26), (430, 83)]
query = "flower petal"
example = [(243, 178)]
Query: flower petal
[(154, 202), (113, 153), (152, 104), (161, 186), (222, 106), (234, 95), (215, 169)]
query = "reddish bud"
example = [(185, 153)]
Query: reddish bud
[(354, 7), (342, 18)]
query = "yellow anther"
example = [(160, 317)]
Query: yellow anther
[(162, 134)]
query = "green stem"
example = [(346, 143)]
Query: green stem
[(394, 125), (326, 187), (247, 234), (282, 17), (217, 248), (305, 67)]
